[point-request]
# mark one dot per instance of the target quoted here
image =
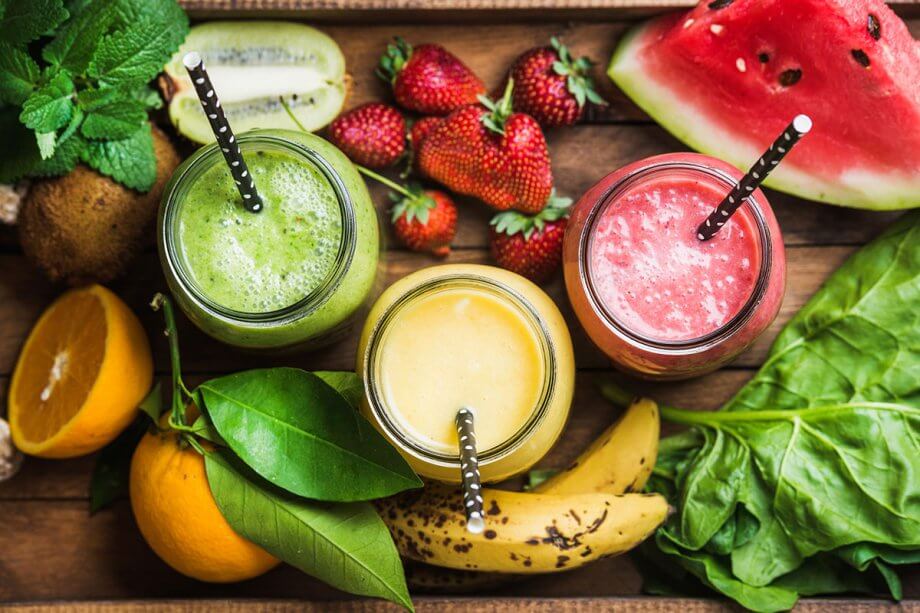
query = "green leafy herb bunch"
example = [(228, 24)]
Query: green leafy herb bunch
[(74, 85)]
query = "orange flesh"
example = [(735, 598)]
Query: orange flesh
[(65, 355)]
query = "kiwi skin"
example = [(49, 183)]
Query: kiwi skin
[(85, 228)]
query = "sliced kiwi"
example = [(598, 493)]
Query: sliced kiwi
[(252, 64)]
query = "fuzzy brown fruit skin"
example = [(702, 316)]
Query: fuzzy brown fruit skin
[(85, 228)]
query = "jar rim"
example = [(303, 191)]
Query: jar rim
[(751, 205), (206, 158), (384, 414)]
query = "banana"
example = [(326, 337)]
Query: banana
[(525, 532), (619, 461)]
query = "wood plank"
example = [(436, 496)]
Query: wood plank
[(23, 296), (470, 11), (455, 605), (52, 550)]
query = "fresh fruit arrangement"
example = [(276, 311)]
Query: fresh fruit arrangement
[(803, 483)]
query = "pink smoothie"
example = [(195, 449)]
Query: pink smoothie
[(655, 277)]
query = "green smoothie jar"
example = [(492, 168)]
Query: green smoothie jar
[(293, 275)]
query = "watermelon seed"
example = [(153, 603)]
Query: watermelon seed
[(860, 56), (763, 57), (790, 77), (719, 4), (716, 28), (740, 65), (874, 27)]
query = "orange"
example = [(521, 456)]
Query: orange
[(179, 518), (80, 377)]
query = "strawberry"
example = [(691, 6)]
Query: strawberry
[(424, 220), (428, 79), (530, 245), (487, 151), (373, 135), (421, 129), (551, 86)]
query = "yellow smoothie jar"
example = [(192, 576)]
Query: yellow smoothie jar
[(466, 335)]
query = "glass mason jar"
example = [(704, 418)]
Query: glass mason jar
[(220, 282), (644, 352), (467, 335)]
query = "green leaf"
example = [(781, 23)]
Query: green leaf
[(129, 161), (51, 106), (78, 39), (147, 96), (19, 75), (291, 428), (23, 21), (109, 481), (832, 426), (205, 429), (115, 120), (346, 545), (152, 404), (345, 382), (134, 55), (537, 476)]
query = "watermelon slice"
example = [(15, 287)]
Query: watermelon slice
[(728, 76)]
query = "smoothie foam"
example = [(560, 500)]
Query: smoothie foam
[(266, 261), (656, 277)]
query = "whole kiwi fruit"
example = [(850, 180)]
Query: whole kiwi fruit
[(84, 227)]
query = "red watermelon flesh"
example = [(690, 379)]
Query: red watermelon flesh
[(728, 76)]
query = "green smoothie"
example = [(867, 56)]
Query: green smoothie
[(266, 261), (294, 274)]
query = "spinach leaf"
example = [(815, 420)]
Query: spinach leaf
[(829, 496), (858, 338), (346, 545), (295, 430)]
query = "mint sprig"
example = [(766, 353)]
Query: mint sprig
[(76, 77)]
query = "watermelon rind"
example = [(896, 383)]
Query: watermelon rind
[(858, 188)]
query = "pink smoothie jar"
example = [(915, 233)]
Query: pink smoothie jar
[(651, 295)]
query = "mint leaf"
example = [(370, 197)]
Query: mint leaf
[(18, 75), (133, 56), (65, 158), (25, 20), (75, 43), (51, 106), (115, 120), (92, 99), (130, 161), (168, 13), (46, 141), (147, 96)]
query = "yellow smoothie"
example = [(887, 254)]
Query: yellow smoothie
[(472, 336)]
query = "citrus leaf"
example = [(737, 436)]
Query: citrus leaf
[(346, 545), (345, 382), (291, 427), (109, 481)]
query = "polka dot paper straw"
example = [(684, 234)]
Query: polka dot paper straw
[(799, 127), (469, 471), (225, 137)]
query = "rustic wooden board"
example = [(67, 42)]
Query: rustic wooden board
[(51, 549)]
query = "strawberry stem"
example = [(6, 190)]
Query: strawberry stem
[(500, 110), (396, 187)]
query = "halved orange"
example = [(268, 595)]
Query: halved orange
[(81, 375)]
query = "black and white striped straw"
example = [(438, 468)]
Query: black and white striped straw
[(469, 472), (799, 127), (225, 137)]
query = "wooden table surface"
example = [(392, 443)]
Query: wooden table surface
[(52, 549)]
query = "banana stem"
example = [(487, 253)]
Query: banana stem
[(619, 396), (179, 391), (396, 187)]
